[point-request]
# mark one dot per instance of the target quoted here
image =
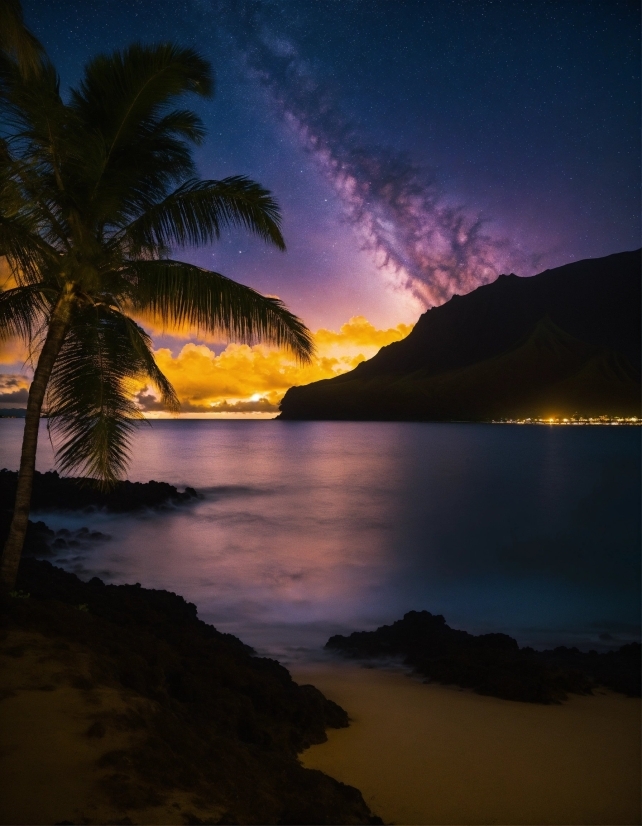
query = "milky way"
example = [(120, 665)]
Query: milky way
[(400, 212)]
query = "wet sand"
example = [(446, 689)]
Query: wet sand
[(429, 754)]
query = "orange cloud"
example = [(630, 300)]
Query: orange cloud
[(359, 332), (245, 380), (240, 380)]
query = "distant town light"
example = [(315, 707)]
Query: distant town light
[(575, 420)]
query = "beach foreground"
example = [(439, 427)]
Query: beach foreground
[(118, 705), (432, 754)]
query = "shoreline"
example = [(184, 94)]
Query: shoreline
[(110, 692), (434, 754), (118, 705)]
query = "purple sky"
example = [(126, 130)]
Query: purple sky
[(417, 149)]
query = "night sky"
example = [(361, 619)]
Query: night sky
[(417, 148)]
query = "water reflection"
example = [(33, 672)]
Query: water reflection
[(307, 529)]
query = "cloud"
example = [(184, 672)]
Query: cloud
[(359, 332), (424, 241), (14, 389), (241, 379), (17, 397), (260, 405), (148, 401), (252, 380), (11, 382)]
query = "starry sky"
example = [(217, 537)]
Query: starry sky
[(417, 149)]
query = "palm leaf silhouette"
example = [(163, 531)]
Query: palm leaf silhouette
[(95, 193)]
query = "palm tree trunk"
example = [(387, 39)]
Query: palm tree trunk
[(58, 327)]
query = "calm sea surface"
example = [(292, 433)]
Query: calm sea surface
[(309, 529)]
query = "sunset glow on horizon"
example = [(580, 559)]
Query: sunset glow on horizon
[(229, 380)]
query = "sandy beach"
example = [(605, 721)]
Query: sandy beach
[(50, 758), (430, 754)]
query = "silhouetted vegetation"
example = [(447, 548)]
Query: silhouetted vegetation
[(97, 188)]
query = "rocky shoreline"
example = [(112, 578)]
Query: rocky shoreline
[(209, 732), (52, 492), (210, 723), (493, 664)]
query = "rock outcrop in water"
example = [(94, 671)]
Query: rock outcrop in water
[(493, 664), (214, 730), (54, 492), (42, 541), (562, 343)]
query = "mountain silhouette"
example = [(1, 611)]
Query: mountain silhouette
[(564, 342)]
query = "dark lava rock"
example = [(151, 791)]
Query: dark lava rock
[(41, 541), (493, 664), (228, 725), (620, 670), (38, 539), (54, 492)]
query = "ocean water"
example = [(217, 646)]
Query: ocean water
[(307, 529)]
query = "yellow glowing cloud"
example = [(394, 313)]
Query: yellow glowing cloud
[(359, 332), (243, 379), (240, 379)]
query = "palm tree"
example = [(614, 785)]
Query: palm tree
[(16, 39), (95, 193)]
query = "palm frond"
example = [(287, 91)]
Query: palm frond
[(91, 414), (120, 90), (124, 98), (142, 171), (16, 40), (196, 212), (36, 153), (26, 251), (91, 409), (142, 346), (33, 112), (22, 312), (179, 294)]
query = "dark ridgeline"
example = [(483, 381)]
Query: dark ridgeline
[(564, 342), (494, 664)]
